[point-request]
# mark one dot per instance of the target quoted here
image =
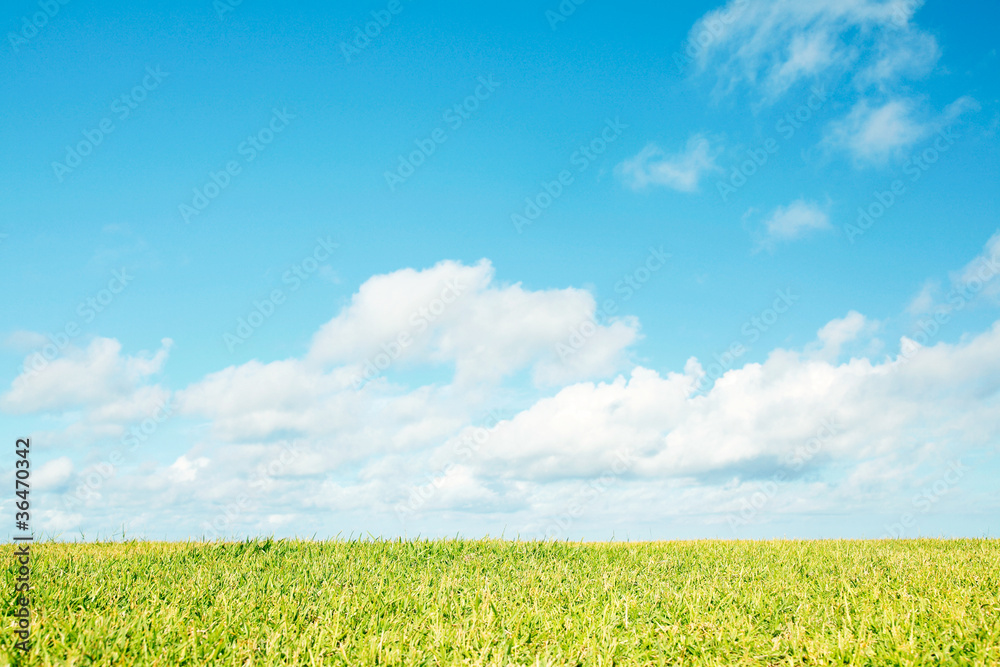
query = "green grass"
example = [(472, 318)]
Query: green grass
[(921, 602)]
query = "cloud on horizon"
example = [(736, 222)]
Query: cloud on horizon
[(842, 420)]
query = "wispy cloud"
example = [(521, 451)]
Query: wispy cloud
[(794, 220), (787, 223), (771, 45), (681, 171), (871, 47), (875, 134), (974, 284)]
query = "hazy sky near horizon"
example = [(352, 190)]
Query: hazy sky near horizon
[(541, 269)]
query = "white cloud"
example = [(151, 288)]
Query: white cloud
[(689, 454), (957, 109), (97, 377), (362, 452), (978, 279), (808, 54), (185, 470), (832, 337), (873, 135), (755, 417), (874, 46), (57, 521), (923, 302), (448, 314), (257, 403), (456, 314), (795, 220), (681, 171), (911, 54), (774, 44), (25, 341), (90, 394), (975, 283), (52, 474)]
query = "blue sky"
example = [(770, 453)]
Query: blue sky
[(624, 241)]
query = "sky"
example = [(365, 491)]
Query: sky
[(543, 270)]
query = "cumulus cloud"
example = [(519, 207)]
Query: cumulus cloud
[(835, 334), (457, 314), (185, 470), (98, 377), (449, 315), (680, 171), (299, 434), (259, 403), (53, 474), (755, 418), (646, 444)]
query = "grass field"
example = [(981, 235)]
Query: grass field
[(921, 602)]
